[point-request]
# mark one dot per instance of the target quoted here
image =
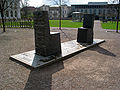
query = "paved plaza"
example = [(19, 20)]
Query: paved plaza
[(97, 68)]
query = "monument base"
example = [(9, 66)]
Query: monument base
[(69, 48)]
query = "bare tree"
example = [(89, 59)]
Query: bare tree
[(59, 2), (26, 3), (3, 7), (115, 4)]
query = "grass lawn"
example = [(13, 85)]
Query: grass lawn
[(110, 25), (65, 23), (53, 23)]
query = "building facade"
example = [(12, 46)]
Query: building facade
[(13, 10), (54, 11), (27, 12), (99, 9)]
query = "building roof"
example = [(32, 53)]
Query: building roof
[(76, 12), (97, 3), (93, 3), (54, 6), (28, 8)]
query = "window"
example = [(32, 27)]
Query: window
[(108, 11), (11, 13), (104, 11), (95, 11), (0, 14), (86, 11), (81, 10), (7, 14), (65, 12), (99, 11), (15, 13), (90, 11)]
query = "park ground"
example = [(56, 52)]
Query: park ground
[(97, 68)]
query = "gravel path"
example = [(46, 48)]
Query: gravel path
[(95, 69)]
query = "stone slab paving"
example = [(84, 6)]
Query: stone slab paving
[(95, 69), (69, 48)]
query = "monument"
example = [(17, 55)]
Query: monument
[(48, 47), (85, 33), (46, 43)]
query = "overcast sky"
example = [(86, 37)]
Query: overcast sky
[(38, 3)]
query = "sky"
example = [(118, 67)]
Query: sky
[(38, 3)]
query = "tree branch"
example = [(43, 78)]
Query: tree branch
[(56, 2), (9, 5), (4, 1)]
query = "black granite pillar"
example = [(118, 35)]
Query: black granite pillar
[(85, 33), (88, 21), (44, 43)]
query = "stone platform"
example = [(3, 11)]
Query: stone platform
[(69, 48)]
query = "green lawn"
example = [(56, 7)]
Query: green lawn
[(53, 23), (65, 23), (110, 25)]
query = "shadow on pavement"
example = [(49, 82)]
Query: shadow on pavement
[(113, 31), (103, 51), (41, 78)]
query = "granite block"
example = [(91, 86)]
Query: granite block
[(46, 44)]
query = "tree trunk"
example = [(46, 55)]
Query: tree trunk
[(60, 17), (2, 15), (117, 20)]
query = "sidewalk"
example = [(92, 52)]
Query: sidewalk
[(95, 69)]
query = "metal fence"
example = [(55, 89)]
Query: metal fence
[(13, 23)]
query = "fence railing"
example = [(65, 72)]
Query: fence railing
[(24, 23)]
